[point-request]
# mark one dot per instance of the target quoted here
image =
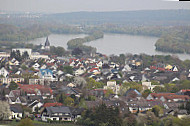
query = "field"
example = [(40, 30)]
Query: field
[(37, 123)]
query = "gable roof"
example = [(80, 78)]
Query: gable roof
[(159, 95), (58, 109), (133, 90), (33, 88), (52, 104), (16, 108)]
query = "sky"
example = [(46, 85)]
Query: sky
[(60, 6)]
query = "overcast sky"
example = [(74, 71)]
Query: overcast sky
[(59, 6)]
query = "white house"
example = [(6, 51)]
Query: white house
[(59, 113), (36, 66), (36, 81), (46, 74), (175, 69), (16, 111), (4, 54), (35, 104), (112, 85), (4, 72)]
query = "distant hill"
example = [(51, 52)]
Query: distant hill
[(144, 17)]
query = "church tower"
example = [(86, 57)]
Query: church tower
[(47, 44)]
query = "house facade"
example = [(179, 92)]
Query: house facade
[(60, 113)]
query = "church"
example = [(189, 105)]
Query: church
[(46, 45)]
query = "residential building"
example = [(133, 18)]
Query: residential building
[(59, 113)]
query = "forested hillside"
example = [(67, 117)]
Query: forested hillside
[(171, 26)]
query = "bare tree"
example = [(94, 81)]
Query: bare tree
[(80, 82), (5, 111)]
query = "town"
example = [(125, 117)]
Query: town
[(84, 89)]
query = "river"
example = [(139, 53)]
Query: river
[(113, 44), (57, 39)]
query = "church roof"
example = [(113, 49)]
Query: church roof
[(47, 43)]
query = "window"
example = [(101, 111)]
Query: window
[(54, 119)]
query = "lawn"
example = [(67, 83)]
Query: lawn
[(38, 123)]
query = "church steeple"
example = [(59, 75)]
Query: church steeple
[(47, 44)]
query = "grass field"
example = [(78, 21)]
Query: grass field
[(38, 123)]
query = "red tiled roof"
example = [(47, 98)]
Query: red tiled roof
[(158, 95), (101, 90), (32, 88), (170, 96), (52, 104), (91, 70), (49, 64), (184, 90)]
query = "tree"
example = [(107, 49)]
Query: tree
[(146, 93), (60, 51), (13, 54), (69, 101), (5, 111), (61, 97), (26, 122), (68, 69), (130, 120), (25, 55), (158, 89), (82, 103), (174, 121), (24, 67), (92, 84), (76, 51), (187, 107), (18, 55), (148, 119), (158, 111), (80, 82), (13, 85), (104, 115), (108, 92)]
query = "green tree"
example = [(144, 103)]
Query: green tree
[(158, 89), (68, 69), (25, 55), (92, 84), (13, 85), (108, 92), (158, 111), (76, 51), (146, 93), (61, 97), (69, 101)]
